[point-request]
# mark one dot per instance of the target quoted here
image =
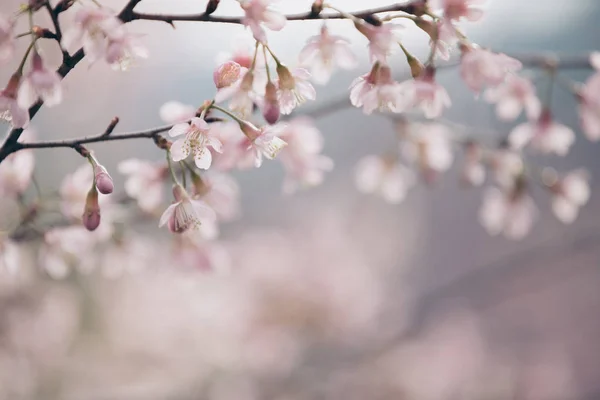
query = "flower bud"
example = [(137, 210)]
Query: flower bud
[(247, 81), (286, 80), (91, 212), (211, 7), (416, 66), (103, 180), (226, 74), (271, 109), (251, 131)]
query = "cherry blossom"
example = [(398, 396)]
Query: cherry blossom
[(377, 91), (227, 74), (40, 83), (507, 166), (123, 48), (197, 139), (241, 93), (186, 213), (512, 96), (545, 135), (145, 182), (91, 29), (595, 60), (480, 67), (456, 10), (67, 248), (569, 194), (264, 142), (7, 43), (304, 164), (16, 172), (10, 111), (324, 52), (175, 112), (383, 40), (511, 212), (430, 146), (442, 36), (589, 107), (426, 94), (9, 256), (259, 13), (294, 88), (473, 172), (386, 177), (221, 193)]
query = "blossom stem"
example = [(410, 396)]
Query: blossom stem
[(20, 35), (171, 170), (272, 54), (255, 55), (267, 63), (224, 111), (22, 64), (183, 177)]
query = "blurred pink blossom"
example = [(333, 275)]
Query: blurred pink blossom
[(569, 194), (40, 83), (544, 134), (511, 212), (481, 67), (259, 13), (512, 96), (388, 178)]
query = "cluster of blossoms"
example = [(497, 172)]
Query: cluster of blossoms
[(226, 133)]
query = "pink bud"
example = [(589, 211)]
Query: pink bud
[(104, 182), (91, 212), (251, 131), (271, 109), (226, 74), (286, 80)]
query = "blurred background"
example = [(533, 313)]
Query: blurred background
[(331, 294)]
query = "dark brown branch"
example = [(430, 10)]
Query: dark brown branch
[(416, 7)]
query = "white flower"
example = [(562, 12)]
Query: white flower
[(509, 212), (383, 40), (456, 10), (430, 146), (324, 52), (294, 88), (569, 194), (258, 13), (388, 178), (480, 67), (186, 213), (145, 182), (241, 93), (545, 135), (40, 82), (426, 94), (507, 166), (198, 138), (123, 48), (377, 91), (512, 96), (264, 142)]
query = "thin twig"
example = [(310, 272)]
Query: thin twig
[(111, 127)]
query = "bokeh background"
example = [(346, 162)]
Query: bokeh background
[(452, 303)]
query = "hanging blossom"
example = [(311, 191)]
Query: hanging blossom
[(7, 39), (480, 67), (304, 164), (545, 135), (220, 192), (198, 137), (294, 88), (507, 166), (569, 194), (16, 172), (145, 182), (510, 212), (263, 142), (185, 213), (259, 13), (10, 111), (589, 107), (456, 10), (443, 36), (175, 112), (383, 40), (385, 177), (377, 91), (473, 171), (324, 52), (240, 93), (430, 146), (425, 94), (40, 83), (513, 96), (123, 48)]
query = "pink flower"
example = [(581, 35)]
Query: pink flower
[(235, 147), (458, 9), (473, 172), (10, 256), (426, 94), (512, 96), (144, 182), (377, 91), (241, 93), (589, 107), (227, 74), (304, 164), (186, 213), (507, 166), (7, 39), (259, 13), (221, 193), (40, 82), (480, 67), (383, 40), (430, 146), (324, 52), (91, 211), (123, 48), (10, 111), (388, 178), (509, 212), (294, 88), (198, 138), (16, 172), (545, 135), (65, 248), (264, 142), (174, 112), (91, 29), (191, 252), (569, 194), (442, 36)]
